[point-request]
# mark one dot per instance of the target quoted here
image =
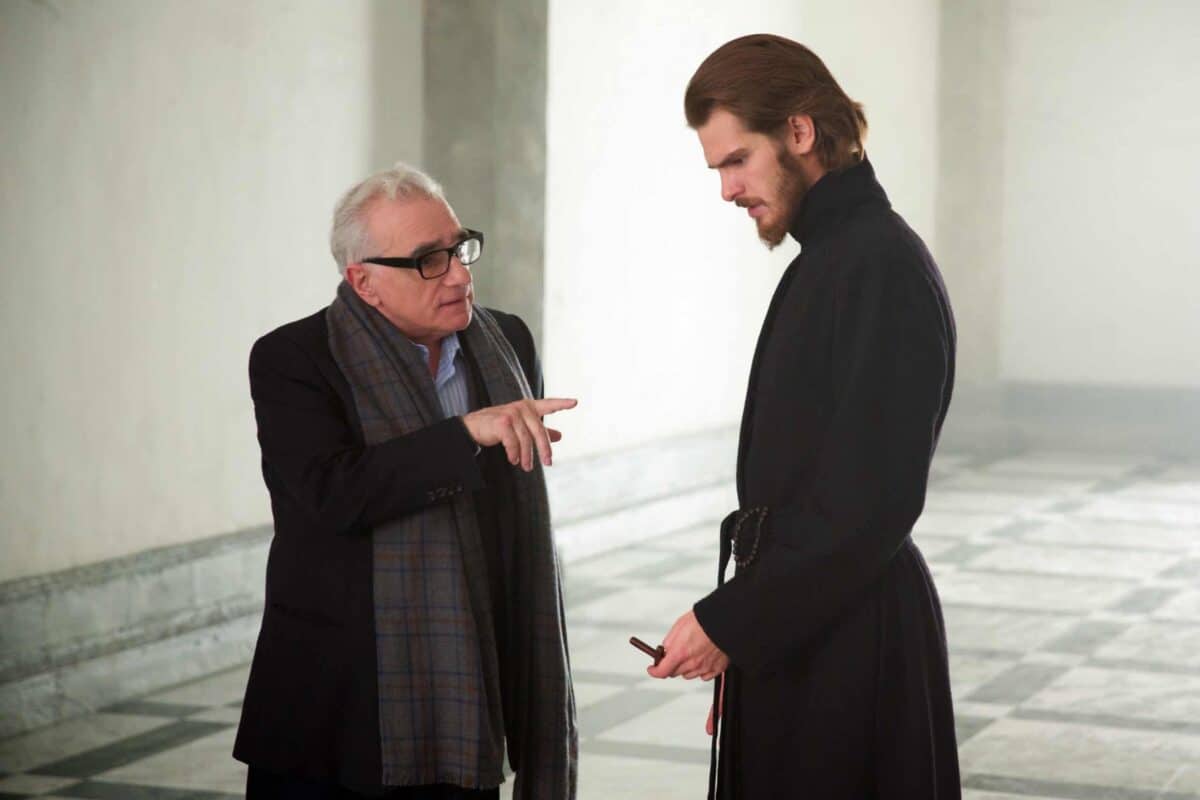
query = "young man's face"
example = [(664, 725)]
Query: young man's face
[(757, 173)]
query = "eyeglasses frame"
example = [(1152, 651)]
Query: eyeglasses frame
[(414, 262)]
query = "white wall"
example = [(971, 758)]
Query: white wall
[(1101, 203), (655, 288), (168, 171)]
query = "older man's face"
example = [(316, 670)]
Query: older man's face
[(424, 310)]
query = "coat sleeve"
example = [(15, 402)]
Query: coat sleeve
[(313, 457), (890, 364)]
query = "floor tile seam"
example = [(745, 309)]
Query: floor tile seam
[(977, 724), (1154, 494), (940, 558), (596, 592), (649, 546), (1033, 574), (986, 653), (1191, 622), (647, 752), (112, 790), (629, 576), (1116, 549), (71, 783), (1070, 490), (601, 624), (1014, 510), (1034, 611), (1018, 683), (1184, 551), (1143, 492), (1104, 720), (1145, 601), (700, 589), (128, 749), (1064, 790), (154, 708), (614, 710), (1188, 569), (643, 503), (606, 678), (1150, 667), (1153, 523), (1134, 581), (1084, 647), (979, 514), (688, 562), (666, 551), (243, 668)]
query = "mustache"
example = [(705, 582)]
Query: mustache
[(746, 202)]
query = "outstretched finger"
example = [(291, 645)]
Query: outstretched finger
[(551, 404)]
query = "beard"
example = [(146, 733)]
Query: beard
[(790, 188)]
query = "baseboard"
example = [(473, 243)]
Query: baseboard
[(79, 640), (82, 687), (1015, 416)]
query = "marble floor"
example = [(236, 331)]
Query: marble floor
[(1071, 586)]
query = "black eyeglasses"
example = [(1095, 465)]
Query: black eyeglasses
[(436, 263)]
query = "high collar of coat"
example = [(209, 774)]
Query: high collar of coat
[(833, 199)]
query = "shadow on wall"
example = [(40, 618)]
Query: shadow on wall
[(396, 31), (483, 131)]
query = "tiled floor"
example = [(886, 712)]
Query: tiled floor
[(1071, 586)]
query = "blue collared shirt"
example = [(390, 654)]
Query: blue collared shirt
[(451, 379)]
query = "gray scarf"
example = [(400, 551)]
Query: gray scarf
[(441, 716)]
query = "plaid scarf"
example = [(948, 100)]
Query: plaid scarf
[(441, 696)]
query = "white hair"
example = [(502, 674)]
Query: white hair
[(348, 240)]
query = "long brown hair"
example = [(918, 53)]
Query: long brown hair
[(763, 79)]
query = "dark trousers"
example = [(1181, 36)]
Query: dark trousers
[(262, 785)]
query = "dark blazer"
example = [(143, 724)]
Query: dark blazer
[(839, 686), (311, 705)]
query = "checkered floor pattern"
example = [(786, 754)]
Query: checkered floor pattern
[(1071, 586)]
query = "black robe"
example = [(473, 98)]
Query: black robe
[(839, 684)]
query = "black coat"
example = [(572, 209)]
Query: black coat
[(839, 685), (311, 707)]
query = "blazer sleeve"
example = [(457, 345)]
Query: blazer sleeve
[(890, 363), (313, 456)]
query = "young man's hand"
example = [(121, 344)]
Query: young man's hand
[(689, 652)]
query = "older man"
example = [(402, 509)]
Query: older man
[(413, 628), (830, 634)]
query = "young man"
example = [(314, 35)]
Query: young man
[(829, 637)]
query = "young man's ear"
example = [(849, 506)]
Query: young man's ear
[(801, 135)]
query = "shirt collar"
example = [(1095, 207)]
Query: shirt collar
[(450, 348)]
